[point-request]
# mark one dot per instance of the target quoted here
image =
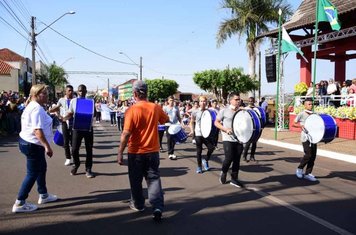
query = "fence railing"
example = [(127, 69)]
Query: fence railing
[(329, 100)]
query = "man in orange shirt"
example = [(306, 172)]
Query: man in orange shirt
[(140, 133)]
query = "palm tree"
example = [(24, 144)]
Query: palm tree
[(250, 18), (55, 77)]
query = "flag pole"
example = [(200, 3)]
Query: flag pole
[(278, 72), (315, 48)]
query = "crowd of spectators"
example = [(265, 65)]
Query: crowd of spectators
[(333, 93)]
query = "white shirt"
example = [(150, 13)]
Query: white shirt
[(35, 117)]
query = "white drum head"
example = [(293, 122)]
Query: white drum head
[(206, 123), (174, 129), (242, 126), (316, 128)]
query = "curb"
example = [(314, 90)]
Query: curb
[(320, 152)]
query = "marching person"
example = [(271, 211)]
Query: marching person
[(214, 107), (232, 148), (174, 118), (309, 148), (141, 135), (63, 107), (199, 139), (253, 143), (35, 136), (78, 136)]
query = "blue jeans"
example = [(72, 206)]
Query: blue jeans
[(36, 169), (145, 165)]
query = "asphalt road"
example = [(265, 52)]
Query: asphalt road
[(273, 202)]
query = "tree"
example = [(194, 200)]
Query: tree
[(161, 88), (250, 19), (54, 77), (223, 82)]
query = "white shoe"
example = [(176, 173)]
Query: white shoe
[(193, 142), (310, 177), (172, 157), (49, 198), (27, 207), (299, 173), (67, 162)]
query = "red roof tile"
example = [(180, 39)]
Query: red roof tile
[(9, 55), (5, 68)]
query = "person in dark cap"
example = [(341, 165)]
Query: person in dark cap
[(140, 133)]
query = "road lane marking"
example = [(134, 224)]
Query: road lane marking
[(301, 212)]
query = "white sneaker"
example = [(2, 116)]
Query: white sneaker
[(193, 142), (50, 198), (310, 177), (27, 207), (67, 162), (299, 173), (172, 157)]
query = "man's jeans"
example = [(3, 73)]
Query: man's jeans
[(36, 169), (145, 165)]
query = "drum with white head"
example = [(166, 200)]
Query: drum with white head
[(321, 128), (262, 115), (177, 133), (207, 126), (246, 126), (58, 136)]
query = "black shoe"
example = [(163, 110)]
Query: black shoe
[(236, 183), (157, 215), (252, 159), (74, 170), (222, 178)]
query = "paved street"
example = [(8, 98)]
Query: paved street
[(274, 201)]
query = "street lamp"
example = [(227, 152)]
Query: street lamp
[(33, 41), (139, 65)]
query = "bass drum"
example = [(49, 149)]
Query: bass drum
[(207, 126), (246, 126), (321, 128)]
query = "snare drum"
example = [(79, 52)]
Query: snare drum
[(321, 128), (207, 126), (246, 126), (262, 115), (177, 133), (58, 137), (83, 116)]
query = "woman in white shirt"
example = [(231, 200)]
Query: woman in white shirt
[(36, 133)]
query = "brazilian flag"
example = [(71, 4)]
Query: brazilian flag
[(327, 12)]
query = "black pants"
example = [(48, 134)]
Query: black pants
[(160, 135), (253, 150), (77, 140), (309, 157), (232, 152), (200, 140), (171, 143), (113, 118), (67, 137), (119, 123), (145, 166), (98, 116)]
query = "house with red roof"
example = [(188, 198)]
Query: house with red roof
[(16, 71)]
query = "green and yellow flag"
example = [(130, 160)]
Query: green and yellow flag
[(327, 12)]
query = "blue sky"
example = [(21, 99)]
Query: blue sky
[(174, 38)]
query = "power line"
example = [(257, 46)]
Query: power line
[(13, 28), (22, 9), (14, 16), (47, 61), (85, 48)]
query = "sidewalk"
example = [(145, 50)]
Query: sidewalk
[(341, 149)]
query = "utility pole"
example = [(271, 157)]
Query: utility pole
[(108, 89), (141, 68), (259, 76), (33, 44)]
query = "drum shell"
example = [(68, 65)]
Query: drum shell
[(161, 127), (262, 115), (213, 129), (83, 116), (250, 135), (58, 138), (321, 128), (177, 133)]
